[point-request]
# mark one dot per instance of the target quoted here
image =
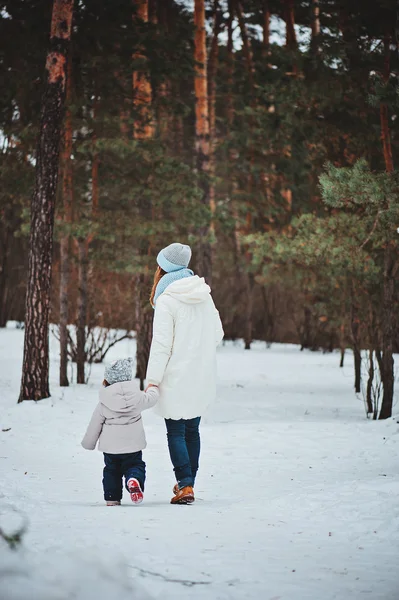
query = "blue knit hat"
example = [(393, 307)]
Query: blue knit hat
[(174, 257)]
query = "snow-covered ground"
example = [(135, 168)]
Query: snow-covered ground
[(297, 495)]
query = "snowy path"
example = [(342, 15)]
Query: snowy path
[(297, 496)]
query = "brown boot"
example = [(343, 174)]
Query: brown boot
[(184, 496)]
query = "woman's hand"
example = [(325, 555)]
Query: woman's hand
[(150, 385)]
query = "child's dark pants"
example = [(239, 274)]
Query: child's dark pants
[(119, 465)]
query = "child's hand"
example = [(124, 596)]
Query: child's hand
[(149, 386)]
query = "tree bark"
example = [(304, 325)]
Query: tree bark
[(202, 148), (4, 275), (67, 200), (35, 367), (291, 41), (143, 130), (249, 287), (266, 28), (342, 344), (384, 117), (144, 318), (232, 187), (212, 69), (246, 44), (247, 279), (142, 93), (82, 310), (315, 25), (355, 324), (387, 374), (369, 391)]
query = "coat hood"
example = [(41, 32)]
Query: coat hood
[(191, 290), (120, 396)]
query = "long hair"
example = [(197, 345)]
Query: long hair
[(158, 274)]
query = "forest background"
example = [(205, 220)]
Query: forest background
[(261, 132)]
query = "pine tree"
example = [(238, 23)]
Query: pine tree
[(35, 367)]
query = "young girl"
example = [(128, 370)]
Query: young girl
[(118, 427)]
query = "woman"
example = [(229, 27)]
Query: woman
[(187, 329)]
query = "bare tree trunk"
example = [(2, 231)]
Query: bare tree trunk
[(342, 344), (64, 282), (306, 334), (4, 276), (143, 130), (266, 28), (369, 391), (202, 133), (212, 69), (144, 318), (35, 367), (82, 310), (384, 117), (246, 44), (247, 279), (142, 93), (315, 25), (387, 373), (67, 199), (355, 324), (85, 272), (291, 41), (249, 284), (232, 187)]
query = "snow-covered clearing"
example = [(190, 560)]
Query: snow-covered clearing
[(297, 496)]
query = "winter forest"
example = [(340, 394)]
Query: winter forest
[(262, 133)]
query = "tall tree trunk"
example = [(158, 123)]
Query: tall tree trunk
[(144, 318), (142, 93), (247, 49), (342, 344), (232, 154), (143, 130), (291, 41), (212, 70), (202, 133), (387, 374), (67, 200), (35, 367), (355, 325), (369, 391), (4, 274), (384, 117), (266, 28), (85, 271), (82, 310), (247, 279), (315, 25), (249, 287)]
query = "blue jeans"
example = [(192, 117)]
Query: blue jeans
[(184, 448), (119, 465)]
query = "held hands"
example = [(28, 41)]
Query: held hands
[(150, 385)]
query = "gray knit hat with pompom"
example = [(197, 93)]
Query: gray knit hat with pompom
[(119, 370)]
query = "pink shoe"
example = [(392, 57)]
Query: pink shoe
[(136, 493)]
